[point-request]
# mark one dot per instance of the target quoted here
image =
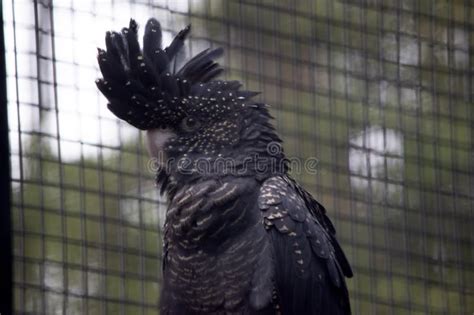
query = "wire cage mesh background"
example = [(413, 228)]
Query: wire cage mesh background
[(379, 91)]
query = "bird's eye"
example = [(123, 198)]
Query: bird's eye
[(190, 124)]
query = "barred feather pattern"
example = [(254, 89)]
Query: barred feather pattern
[(217, 257)]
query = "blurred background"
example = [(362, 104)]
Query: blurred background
[(379, 91)]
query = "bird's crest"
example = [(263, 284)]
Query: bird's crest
[(143, 90)]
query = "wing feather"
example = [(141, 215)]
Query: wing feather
[(310, 270)]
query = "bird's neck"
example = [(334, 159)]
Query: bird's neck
[(258, 154)]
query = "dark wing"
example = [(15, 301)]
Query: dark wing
[(310, 265)]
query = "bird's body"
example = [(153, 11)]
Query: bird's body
[(241, 236), (212, 251)]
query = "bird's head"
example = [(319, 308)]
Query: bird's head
[(196, 126)]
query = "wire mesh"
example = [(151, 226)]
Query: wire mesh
[(379, 91)]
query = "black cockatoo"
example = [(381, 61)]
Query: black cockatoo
[(241, 236)]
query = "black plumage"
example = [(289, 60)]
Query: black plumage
[(240, 235)]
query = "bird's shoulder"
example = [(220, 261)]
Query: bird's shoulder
[(285, 209), (308, 257)]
